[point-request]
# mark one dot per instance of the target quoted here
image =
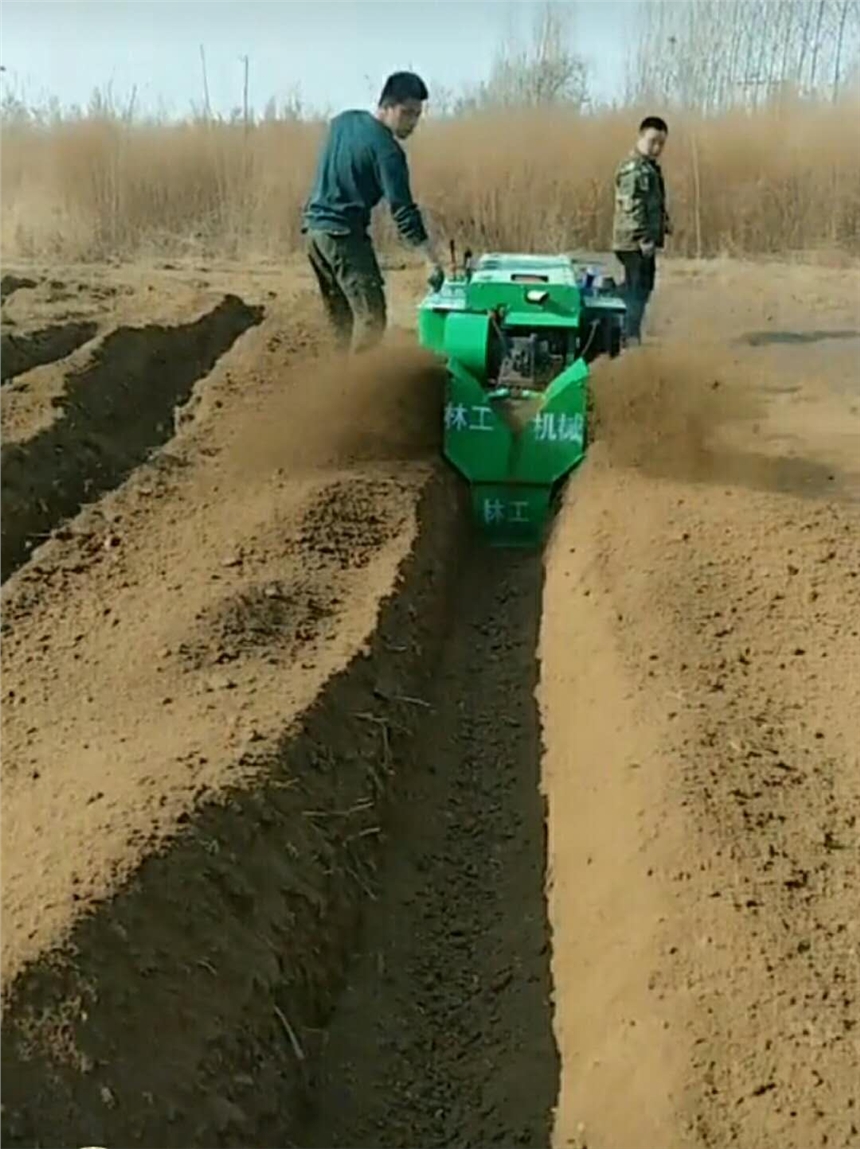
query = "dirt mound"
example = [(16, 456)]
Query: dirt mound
[(350, 520), (703, 776), (115, 411), (278, 616)]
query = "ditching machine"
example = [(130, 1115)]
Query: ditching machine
[(518, 333)]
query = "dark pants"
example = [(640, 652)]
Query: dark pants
[(639, 272), (351, 286)]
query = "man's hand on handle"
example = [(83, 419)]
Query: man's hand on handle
[(436, 277), (435, 272)]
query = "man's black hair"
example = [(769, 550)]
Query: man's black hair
[(402, 86), (654, 122)]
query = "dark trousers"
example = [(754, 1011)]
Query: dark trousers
[(639, 273), (351, 286)]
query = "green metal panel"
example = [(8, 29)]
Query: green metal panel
[(516, 441), (500, 266), (503, 280), (543, 316), (465, 340), (511, 516), (431, 328), (512, 451), (434, 310)]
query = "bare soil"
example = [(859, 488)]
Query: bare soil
[(700, 682), (443, 1034), (385, 839)]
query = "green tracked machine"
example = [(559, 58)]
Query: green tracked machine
[(518, 333)]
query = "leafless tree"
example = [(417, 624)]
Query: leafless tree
[(844, 9), (712, 54), (544, 72)]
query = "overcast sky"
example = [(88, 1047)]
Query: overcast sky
[(335, 52)]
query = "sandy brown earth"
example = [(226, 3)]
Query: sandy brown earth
[(379, 838), (700, 692)]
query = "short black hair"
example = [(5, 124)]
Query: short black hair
[(402, 86), (654, 122)]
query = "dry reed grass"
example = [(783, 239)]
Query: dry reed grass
[(782, 180)]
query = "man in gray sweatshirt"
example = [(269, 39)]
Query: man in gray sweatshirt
[(362, 162)]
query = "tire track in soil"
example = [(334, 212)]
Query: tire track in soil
[(443, 1035), (115, 412)]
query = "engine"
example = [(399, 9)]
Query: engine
[(531, 359)]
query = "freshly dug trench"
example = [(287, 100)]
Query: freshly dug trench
[(412, 781), (20, 353), (115, 411), (443, 1035)]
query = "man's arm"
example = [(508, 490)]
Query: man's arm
[(394, 180)]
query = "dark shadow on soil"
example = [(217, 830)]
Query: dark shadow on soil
[(765, 338), (20, 353), (444, 1033), (9, 284), (776, 474), (114, 413), (192, 1009)]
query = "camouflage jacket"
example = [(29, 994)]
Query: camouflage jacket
[(640, 204)]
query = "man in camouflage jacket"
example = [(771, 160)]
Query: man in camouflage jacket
[(641, 222)]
